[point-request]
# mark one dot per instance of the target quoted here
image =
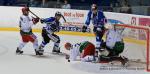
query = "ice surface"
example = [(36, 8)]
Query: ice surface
[(10, 63)]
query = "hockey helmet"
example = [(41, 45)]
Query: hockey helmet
[(25, 9), (58, 13), (68, 45)]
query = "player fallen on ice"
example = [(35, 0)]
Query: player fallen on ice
[(26, 22), (98, 20), (48, 33), (113, 46), (85, 50)]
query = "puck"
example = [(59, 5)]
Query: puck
[(68, 60)]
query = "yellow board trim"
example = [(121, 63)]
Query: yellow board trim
[(141, 42)]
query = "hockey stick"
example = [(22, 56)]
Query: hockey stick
[(34, 14), (39, 17), (27, 5), (63, 18)]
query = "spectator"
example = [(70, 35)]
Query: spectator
[(114, 3), (66, 5), (36, 3), (58, 5), (1, 2), (110, 8), (126, 9), (9, 2)]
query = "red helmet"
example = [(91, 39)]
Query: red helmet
[(25, 9), (67, 45)]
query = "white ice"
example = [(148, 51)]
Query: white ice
[(28, 63)]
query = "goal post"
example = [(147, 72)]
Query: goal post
[(138, 38)]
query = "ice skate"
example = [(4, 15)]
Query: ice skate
[(19, 51), (56, 50), (39, 52)]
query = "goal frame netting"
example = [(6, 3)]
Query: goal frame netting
[(147, 30)]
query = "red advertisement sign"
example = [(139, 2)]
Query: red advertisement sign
[(143, 22)]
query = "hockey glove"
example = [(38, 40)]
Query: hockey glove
[(84, 28), (35, 20), (42, 20), (98, 29), (67, 57)]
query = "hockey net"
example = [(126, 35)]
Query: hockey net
[(137, 46)]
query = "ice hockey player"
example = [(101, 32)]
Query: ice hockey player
[(98, 20), (26, 22), (114, 46), (85, 50), (52, 26)]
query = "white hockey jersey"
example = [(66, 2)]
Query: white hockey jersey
[(113, 36), (25, 23), (74, 52)]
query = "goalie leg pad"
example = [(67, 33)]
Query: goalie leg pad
[(117, 49)]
